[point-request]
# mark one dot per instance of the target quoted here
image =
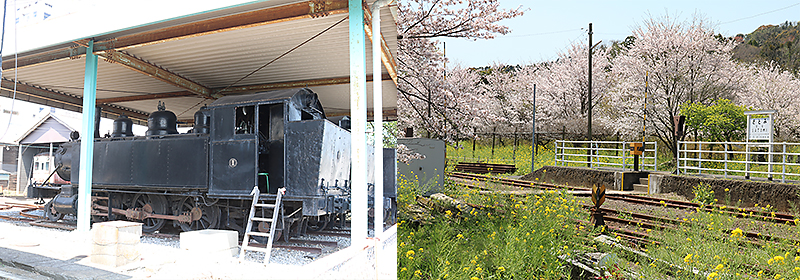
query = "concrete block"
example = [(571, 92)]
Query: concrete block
[(126, 250), (113, 261), (115, 232), (655, 183), (211, 241), (617, 181)]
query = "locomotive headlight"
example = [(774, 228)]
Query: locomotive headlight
[(233, 162)]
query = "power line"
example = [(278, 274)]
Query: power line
[(761, 14), (539, 34)]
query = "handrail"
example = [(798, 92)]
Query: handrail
[(604, 153), (746, 158)]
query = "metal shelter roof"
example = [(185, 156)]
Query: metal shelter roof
[(191, 61)]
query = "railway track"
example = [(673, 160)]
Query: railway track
[(769, 216), (295, 244), (650, 221)]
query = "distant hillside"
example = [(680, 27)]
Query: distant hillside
[(779, 43)]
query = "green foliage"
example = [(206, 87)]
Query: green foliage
[(703, 194), (722, 121)]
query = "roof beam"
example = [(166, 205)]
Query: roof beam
[(386, 55), (302, 10), (44, 57), (70, 100), (294, 84), (152, 70), (145, 97)]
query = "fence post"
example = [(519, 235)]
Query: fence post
[(769, 165), (699, 146), (726, 160), (655, 156), (514, 155), (555, 152), (783, 169), (494, 134), (624, 155), (747, 160)]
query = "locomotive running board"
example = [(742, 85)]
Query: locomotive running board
[(276, 207)]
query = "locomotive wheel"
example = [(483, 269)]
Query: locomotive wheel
[(50, 212), (317, 223), (156, 202), (209, 218), (264, 227)]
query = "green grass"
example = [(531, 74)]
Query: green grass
[(514, 238), (508, 154), (522, 237)]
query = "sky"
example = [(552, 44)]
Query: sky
[(548, 27)]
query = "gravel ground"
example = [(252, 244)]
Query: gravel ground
[(162, 258)]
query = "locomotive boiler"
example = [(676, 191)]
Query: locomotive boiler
[(203, 179)]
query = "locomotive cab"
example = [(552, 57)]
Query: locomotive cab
[(248, 139)]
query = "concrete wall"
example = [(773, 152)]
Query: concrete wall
[(575, 176), (748, 193)]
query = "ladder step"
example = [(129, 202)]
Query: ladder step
[(269, 220), (258, 233), (259, 249), (265, 205)]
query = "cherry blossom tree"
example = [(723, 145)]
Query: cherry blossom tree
[(769, 87), (562, 90), (682, 62), (445, 106)]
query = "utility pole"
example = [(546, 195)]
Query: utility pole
[(589, 115), (533, 141)]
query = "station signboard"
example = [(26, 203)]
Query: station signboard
[(760, 129)]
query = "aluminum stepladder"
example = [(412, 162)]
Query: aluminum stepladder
[(276, 207)]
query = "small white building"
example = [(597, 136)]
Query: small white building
[(36, 147)]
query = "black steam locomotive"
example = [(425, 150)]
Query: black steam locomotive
[(203, 179)]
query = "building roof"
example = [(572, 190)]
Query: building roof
[(50, 129), (190, 61)]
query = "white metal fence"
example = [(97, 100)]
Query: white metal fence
[(614, 154), (767, 159)]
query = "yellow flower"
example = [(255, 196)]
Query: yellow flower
[(501, 269), (688, 258), (459, 236), (478, 269), (475, 278), (403, 269), (448, 212), (410, 253), (719, 267), (778, 276), (712, 275), (736, 232)]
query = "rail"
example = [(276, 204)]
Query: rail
[(614, 154), (764, 159)]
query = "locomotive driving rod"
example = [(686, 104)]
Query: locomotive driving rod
[(147, 212)]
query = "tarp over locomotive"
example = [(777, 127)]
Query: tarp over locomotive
[(235, 142)]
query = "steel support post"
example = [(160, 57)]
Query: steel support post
[(87, 141), (358, 113), (377, 108)]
